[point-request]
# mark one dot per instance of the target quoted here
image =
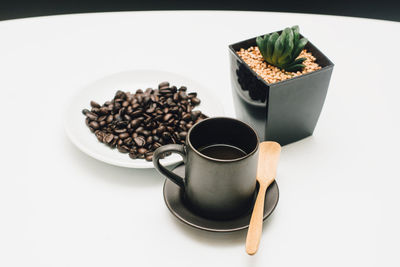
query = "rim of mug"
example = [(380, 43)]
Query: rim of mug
[(223, 160)]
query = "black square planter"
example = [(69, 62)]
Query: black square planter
[(285, 111)]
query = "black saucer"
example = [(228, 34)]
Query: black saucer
[(174, 200)]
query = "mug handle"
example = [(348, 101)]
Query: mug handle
[(159, 153)]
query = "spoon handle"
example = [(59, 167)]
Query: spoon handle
[(266, 172), (256, 221)]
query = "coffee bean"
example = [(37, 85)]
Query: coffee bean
[(187, 117), (167, 117), (91, 115), (150, 110), (113, 143), (174, 110), (182, 95), (94, 104), (146, 100), (99, 134), (133, 155), (95, 110), (156, 145), (123, 149), (195, 114), (104, 110), (161, 129), (136, 113), (195, 101), (165, 91), (139, 98), (129, 110), (142, 150), (140, 129), (139, 141), (146, 121), (183, 135), (121, 124), (108, 138), (85, 111), (149, 157), (128, 141), (124, 135), (109, 119), (119, 94), (166, 135), (135, 123), (117, 117), (154, 98), (121, 112), (163, 84), (94, 124), (146, 133), (183, 88), (119, 131)]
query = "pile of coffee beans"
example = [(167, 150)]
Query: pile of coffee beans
[(139, 123)]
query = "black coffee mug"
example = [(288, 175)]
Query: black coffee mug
[(220, 156)]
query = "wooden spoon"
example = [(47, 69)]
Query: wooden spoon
[(266, 171)]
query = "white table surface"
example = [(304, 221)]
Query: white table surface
[(339, 203)]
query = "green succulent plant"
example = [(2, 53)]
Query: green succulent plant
[(282, 50)]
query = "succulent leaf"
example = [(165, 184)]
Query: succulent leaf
[(278, 48), (282, 50), (299, 47), (297, 61), (295, 68), (270, 46), (296, 34), (287, 54), (262, 44)]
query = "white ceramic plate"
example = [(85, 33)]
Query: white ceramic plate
[(104, 89)]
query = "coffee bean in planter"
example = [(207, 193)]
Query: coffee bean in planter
[(138, 123)]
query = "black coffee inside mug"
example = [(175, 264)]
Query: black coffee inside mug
[(228, 140), (222, 151)]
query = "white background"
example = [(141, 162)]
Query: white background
[(339, 203)]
